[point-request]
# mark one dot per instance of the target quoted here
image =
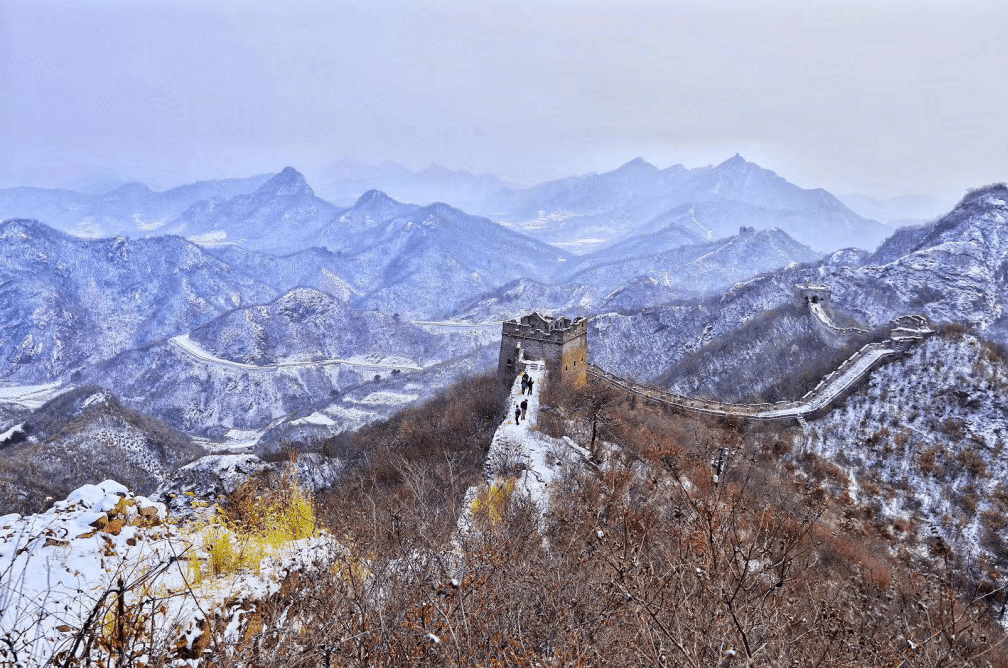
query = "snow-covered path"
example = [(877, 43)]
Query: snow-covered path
[(819, 313), (534, 459), (456, 325), (184, 343), (904, 332), (834, 388), (828, 391)]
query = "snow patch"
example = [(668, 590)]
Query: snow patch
[(316, 418), (57, 567), (32, 396), (384, 398), (96, 399), (10, 432), (211, 239)]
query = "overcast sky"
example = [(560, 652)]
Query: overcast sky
[(885, 98)]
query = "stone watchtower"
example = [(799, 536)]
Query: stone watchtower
[(807, 294), (560, 342)]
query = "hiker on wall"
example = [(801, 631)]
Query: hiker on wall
[(518, 413), (524, 382), (530, 386), (524, 407)]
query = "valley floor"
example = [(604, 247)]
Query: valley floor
[(195, 350)]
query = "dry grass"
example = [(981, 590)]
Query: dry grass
[(261, 518)]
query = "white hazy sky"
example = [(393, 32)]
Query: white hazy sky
[(885, 98)]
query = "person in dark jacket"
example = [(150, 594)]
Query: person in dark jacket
[(524, 407), (530, 386), (517, 414), (524, 383)]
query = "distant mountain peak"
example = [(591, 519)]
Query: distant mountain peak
[(27, 228), (133, 189), (440, 208), (434, 169), (374, 197), (736, 162), (287, 183), (638, 164)]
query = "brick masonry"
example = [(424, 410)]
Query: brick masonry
[(560, 342)]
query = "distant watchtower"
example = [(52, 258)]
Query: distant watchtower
[(562, 343), (807, 294)]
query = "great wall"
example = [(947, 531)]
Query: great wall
[(904, 332)]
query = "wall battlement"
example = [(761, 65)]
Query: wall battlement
[(561, 342), (540, 328), (807, 294)]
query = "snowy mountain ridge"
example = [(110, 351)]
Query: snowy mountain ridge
[(591, 211), (131, 210), (69, 302), (951, 271)]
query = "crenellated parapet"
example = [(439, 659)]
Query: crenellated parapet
[(559, 341), (810, 293), (535, 327)]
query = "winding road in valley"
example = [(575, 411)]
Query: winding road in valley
[(194, 350)]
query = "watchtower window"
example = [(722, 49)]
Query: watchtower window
[(509, 363), (815, 299)]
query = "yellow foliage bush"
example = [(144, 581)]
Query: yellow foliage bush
[(493, 501), (255, 525)]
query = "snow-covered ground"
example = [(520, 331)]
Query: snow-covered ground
[(519, 450), (194, 349), (238, 439), (832, 388), (58, 567), (10, 432), (32, 396), (384, 398), (928, 432), (315, 418)]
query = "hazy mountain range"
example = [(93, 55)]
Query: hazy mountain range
[(953, 270), (898, 211), (290, 302), (587, 212), (68, 302), (129, 210), (581, 214), (272, 318), (629, 282)]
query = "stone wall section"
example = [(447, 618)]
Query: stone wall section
[(560, 342)]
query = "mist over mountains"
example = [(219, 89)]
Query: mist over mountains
[(71, 302), (952, 270), (580, 214), (256, 308), (127, 210), (258, 322), (585, 213)]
